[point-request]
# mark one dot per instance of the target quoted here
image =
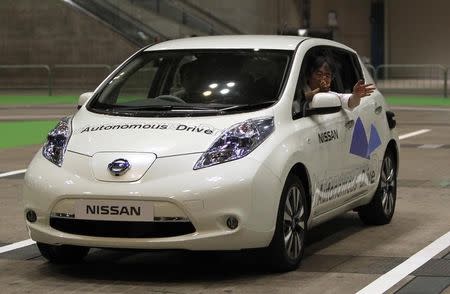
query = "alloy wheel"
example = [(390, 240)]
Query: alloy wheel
[(387, 185), (294, 222)]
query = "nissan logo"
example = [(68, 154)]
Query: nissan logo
[(119, 166)]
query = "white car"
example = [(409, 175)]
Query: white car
[(207, 143)]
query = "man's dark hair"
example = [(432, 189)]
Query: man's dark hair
[(316, 62)]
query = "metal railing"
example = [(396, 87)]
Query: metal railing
[(27, 67), (372, 70), (429, 78), (389, 78), (196, 17), (62, 76), (128, 26), (183, 13), (168, 19)]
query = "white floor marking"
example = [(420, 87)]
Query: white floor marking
[(416, 133), (444, 109), (430, 146), (16, 245), (386, 281), (389, 279), (14, 172), (23, 243)]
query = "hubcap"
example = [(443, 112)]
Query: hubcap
[(387, 185), (294, 222)]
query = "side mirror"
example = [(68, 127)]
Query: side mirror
[(324, 103), (84, 98)]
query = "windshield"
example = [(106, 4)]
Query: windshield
[(187, 81)]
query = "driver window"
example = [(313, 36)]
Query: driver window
[(338, 76), (311, 65)]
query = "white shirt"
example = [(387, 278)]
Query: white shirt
[(344, 98)]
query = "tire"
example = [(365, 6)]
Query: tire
[(287, 246), (381, 209), (63, 254)]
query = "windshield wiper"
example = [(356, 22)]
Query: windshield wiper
[(163, 108), (147, 107), (135, 109), (248, 106), (192, 107)]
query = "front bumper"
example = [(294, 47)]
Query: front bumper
[(244, 189)]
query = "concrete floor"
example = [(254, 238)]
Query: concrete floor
[(342, 256), (39, 112)]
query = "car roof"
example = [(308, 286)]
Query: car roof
[(275, 42)]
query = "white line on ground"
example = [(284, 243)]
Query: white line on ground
[(16, 245), (445, 109), (389, 279), (416, 133), (23, 243), (12, 173), (430, 146)]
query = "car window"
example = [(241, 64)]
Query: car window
[(350, 70), (202, 78), (138, 84), (347, 73)]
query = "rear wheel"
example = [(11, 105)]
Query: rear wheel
[(381, 209), (63, 253), (287, 246)]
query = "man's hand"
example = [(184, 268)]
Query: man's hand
[(325, 85), (309, 95), (361, 90)]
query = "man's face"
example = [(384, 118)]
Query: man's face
[(321, 78)]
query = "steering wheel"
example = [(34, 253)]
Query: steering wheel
[(170, 98)]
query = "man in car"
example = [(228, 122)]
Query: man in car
[(320, 72)]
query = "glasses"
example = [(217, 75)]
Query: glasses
[(320, 75)]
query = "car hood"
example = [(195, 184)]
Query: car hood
[(163, 136)]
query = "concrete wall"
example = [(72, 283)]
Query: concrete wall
[(254, 16), (419, 31), (416, 31), (51, 32), (268, 16), (353, 18)]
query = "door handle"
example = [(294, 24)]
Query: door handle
[(349, 124), (378, 109)]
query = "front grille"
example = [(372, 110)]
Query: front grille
[(121, 229)]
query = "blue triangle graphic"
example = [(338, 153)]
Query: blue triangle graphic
[(359, 144), (374, 140)]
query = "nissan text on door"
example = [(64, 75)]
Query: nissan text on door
[(207, 143)]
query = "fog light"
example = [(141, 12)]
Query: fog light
[(232, 222), (31, 216)]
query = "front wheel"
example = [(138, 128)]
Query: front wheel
[(381, 209), (287, 246), (63, 253)]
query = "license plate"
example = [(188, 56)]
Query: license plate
[(114, 210)]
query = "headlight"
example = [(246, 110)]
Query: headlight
[(57, 140), (236, 142)]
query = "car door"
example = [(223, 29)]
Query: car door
[(325, 137), (361, 135), (328, 142)]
